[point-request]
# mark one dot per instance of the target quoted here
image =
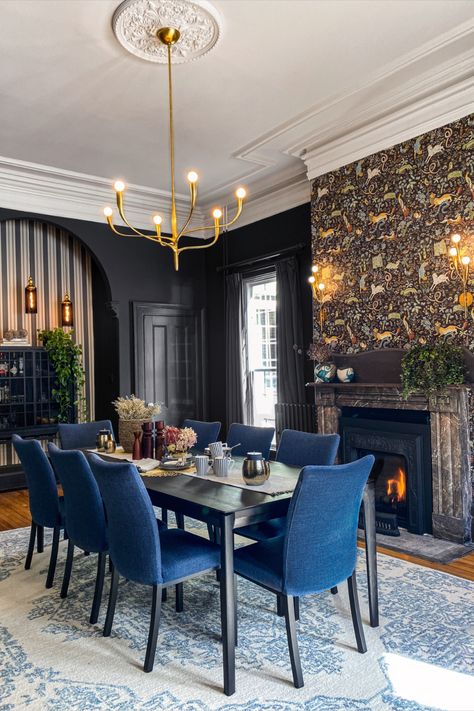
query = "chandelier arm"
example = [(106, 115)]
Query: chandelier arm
[(217, 232), (191, 210), (124, 219), (209, 227), (117, 232)]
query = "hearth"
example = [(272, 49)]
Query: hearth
[(400, 441)]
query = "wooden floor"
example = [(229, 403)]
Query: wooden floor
[(14, 513)]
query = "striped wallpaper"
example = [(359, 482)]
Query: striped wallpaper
[(58, 262)]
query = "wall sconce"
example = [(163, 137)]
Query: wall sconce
[(320, 293), (462, 265), (67, 318), (31, 301)]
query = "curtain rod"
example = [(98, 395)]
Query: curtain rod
[(264, 258)]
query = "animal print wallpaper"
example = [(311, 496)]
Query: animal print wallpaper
[(382, 229)]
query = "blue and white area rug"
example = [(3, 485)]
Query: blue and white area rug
[(420, 658)]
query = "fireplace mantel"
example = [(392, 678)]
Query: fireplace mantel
[(449, 423)]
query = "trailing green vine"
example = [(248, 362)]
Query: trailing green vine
[(430, 367), (66, 359)]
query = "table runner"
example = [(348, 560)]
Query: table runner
[(122, 456), (277, 483)]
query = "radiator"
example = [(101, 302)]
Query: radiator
[(290, 416)]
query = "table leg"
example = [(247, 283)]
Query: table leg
[(371, 552), (227, 591)]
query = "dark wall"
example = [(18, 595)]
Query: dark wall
[(281, 231), (126, 270)]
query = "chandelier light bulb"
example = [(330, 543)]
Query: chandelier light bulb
[(217, 214), (311, 279), (466, 260), (108, 212), (453, 252), (119, 186), (241, 193), (321, 286), (192, 176), (315, 268), (157, 219), (456, 238)]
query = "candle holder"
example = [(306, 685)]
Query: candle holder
[(461, 262), (321, 292)]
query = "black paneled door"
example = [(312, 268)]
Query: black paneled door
[(169, 359)]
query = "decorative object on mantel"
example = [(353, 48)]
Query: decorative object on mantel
[(179, 440), (148, 28), (31, 297), (133, 413), (18, 337), (461, 262), (345, 375), (427, 368), (66, 359), (324, 368), (321, 293), (67, 316)]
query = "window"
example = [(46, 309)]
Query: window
[(260, 348)]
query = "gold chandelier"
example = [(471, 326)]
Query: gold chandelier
[(169, 36)]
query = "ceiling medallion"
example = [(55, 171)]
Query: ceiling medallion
[(135, 24)]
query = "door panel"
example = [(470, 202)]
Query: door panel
[(169, 359)]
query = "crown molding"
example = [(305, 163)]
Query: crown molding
[(35, 188)]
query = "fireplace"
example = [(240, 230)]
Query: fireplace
[(400, 442)]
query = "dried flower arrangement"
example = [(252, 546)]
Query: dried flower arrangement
[(179, 439), (132, 408)]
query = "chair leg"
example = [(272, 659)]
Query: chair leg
[(86, 552), (296, 602), (154, 627), (164, 595), (280, 606), (211, 532), (65, 535), (355, 612), (112, 601), (289, 607), (31, 546), (334, 590), (236, 609), (67, 568), (164, 516), (99, 585), (54, 557), (180, 520), (40, 539), (179, 597)]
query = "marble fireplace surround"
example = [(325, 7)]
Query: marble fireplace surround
[(449, 423)]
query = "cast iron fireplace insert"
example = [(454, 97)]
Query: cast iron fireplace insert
[(400, 440)]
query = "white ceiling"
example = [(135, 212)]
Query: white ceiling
[(288, 79)]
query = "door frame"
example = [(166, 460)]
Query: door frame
[(199, 315)]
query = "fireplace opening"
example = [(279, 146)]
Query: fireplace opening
[(402, 469)]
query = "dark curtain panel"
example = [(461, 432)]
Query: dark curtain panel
[(290, 364), (234, 344)]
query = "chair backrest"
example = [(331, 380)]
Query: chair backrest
[(320, 545), (132, 530), (85, 514), (206, 432), (304, 448), (42, 487), (251, 439), (79, 436)]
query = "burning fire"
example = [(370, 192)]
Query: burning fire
[(396, 487)]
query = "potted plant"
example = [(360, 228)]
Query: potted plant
[(427, 368), (324, 368), (133, 413), (179, 440), (66, 359)]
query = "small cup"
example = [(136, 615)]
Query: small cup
[(202, 464), (216, 449), (222, 465)]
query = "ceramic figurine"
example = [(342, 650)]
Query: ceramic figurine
[(345, 375)]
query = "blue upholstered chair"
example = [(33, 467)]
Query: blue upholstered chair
[(250, 439), (46, 507), (296, 449), (85, 516), (83, 435), (319, 549), (206, 432), (142, 553)]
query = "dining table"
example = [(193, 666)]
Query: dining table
[(227, 508)]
